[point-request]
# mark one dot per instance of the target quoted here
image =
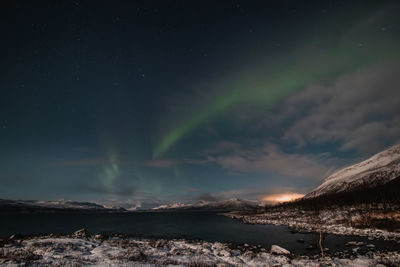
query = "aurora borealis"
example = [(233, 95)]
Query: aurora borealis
[(273, 85), (143, 103)]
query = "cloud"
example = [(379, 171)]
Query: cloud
[(192, 189), (222, 147), (206, 197), (160, 163), (86, 150), (7, 179), (271, 159), (92, 161), (260, 194), (120, 190), (360, 111)]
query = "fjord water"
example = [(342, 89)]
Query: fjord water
[(196, 225)]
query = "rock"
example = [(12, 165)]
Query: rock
[(11, 237), (356, 249), (98, 236), (224, 253), (80, 233), (279, 250), (160, 243), (370, 246)]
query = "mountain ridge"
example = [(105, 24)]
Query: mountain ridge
[(375, 171), (54, 206), (232, 204)]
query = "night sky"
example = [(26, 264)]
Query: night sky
[(141, 103)]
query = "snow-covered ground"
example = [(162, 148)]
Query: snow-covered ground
[(342, 220), (117, 251)]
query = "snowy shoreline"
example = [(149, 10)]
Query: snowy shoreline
[(339, 220), (81, 249)]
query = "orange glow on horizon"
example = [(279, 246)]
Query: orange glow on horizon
[(279, 198)]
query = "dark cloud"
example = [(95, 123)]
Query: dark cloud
[(269, 158), (206, 197), (160, 163), (7, 179), (121, 190), (222, 147), (192, 189), (92, 161), (258, 193), (361, 111)]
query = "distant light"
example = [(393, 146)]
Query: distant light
[(280, 198)]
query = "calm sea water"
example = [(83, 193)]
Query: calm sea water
[(200, 225)]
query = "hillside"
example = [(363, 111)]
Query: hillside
[(374, 172)]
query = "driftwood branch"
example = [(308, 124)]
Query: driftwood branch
[(320, 244)]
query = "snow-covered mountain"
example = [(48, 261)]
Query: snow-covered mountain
[(232, 204), (170, 206), (38, 205), (378, 170)]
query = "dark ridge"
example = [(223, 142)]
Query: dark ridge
[(15, 206), (87, 204), (386, 194)]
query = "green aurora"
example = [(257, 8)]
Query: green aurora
[(264, 88)]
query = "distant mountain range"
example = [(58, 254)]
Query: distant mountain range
[(233, 204), (53, 206), (376, 179)]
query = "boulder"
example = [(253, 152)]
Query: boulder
[(98, 236), (80, 233), (279, 250)]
